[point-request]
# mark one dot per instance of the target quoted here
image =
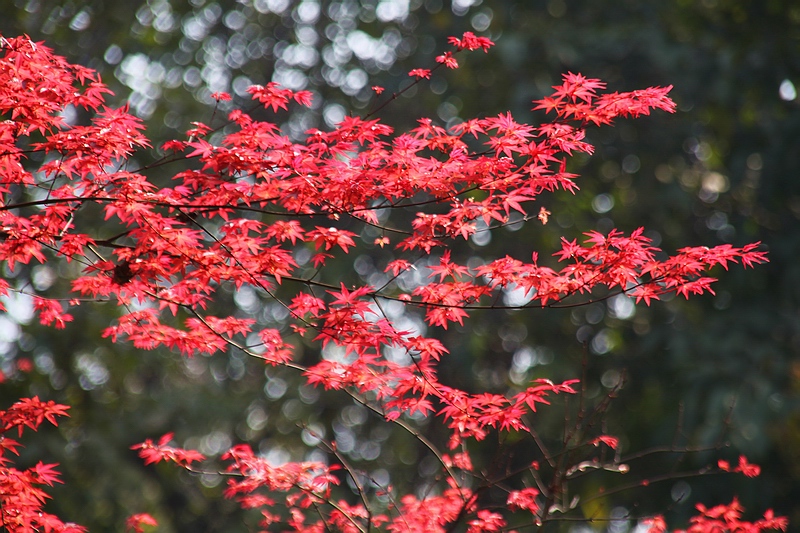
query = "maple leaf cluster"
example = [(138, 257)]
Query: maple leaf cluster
[(22, 496), (723, 518), (253, 203)]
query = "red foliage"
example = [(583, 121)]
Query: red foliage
[(724, 519), (137, 522), (748, 469), (181, 244), (156, 452), (21, 495)]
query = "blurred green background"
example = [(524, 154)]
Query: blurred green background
[(724, 169)]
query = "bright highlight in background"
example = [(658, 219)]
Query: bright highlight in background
[(787, 91)]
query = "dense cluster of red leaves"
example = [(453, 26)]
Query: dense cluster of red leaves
[(22, 497), (239, 218), (723, 518)]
